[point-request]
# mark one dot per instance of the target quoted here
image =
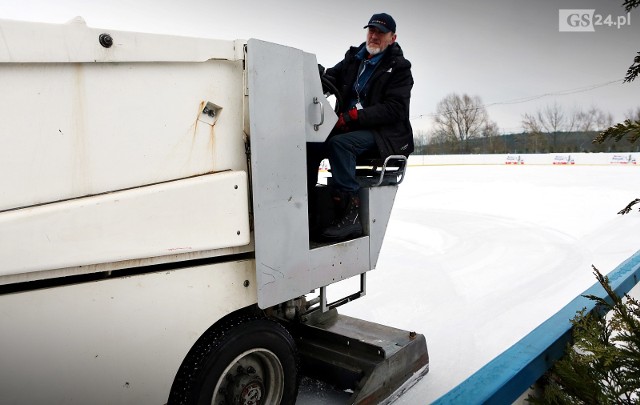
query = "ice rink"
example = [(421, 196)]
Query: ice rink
[(477, 256)]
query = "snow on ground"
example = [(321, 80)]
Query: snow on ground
[(476, 257)]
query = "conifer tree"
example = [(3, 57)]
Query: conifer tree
[(602, 366)]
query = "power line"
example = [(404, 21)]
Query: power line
[(531, 98)]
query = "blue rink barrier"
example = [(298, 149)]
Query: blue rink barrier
[(505, 378)]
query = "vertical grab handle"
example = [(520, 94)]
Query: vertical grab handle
[(317, 126)]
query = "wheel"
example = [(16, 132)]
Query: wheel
[(247, 360)]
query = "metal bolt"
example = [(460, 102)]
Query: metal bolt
[(105, 40), (246, 283), (209, 112), (412, 335)]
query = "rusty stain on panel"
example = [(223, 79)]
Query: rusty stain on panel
[(195, 124), (184, 151), (212, 145)]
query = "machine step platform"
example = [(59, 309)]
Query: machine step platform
[(374, 361)]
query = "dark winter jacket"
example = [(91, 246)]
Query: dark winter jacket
[(386, 100)]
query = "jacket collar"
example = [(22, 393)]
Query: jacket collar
[(362, 55)]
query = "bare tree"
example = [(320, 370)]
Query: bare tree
[(490, 129), (536, 142), (593, 119), (633, 115), (420, 140), (551, 120), (490, 133), (461, 118), (441, 143)]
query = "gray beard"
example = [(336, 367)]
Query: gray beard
[(373, 51)]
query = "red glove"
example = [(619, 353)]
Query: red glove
[(347, 119), (352, 115)]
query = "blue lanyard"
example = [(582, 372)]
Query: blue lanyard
[(368, 67), (358, 86)]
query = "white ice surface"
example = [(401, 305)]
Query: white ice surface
[(476, 257)]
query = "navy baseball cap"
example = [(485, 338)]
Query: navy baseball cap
[(383, 21)]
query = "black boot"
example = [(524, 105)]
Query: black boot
[(347, 224), (340, 204)]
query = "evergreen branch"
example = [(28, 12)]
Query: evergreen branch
[(604, 282), (627, 209), (633, 70), (629, 128), (629, 4)]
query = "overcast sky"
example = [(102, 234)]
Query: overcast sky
[(508, 52)]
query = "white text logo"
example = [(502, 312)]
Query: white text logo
[(586, 20)]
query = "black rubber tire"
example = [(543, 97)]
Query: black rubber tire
[(203, 367)]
